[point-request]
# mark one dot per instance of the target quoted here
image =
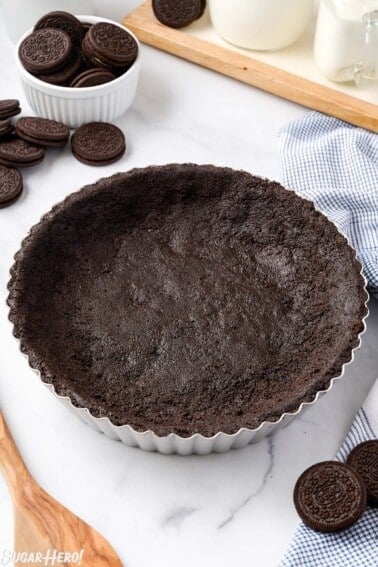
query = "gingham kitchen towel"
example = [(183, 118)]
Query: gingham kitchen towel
[(358, 545), (336, 166)]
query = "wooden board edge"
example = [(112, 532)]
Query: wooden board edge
[(250, 71)]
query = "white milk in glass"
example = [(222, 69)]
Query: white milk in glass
[(346, 39)]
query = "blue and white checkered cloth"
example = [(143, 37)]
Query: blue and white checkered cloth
[(336, 166), (358, 545)]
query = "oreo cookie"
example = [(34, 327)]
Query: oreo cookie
[(330, 496), (364, 460), (98, 143), (178, 13), (92, 77), (64, 76), (9, 107), (42, 131), (109, 46), (6, 127), (11, 185), (15, 152), (45, 51), (203, 8), (63, 21)]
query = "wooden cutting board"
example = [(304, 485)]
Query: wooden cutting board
[(289, 73)]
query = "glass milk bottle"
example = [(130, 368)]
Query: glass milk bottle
[(346, 40)]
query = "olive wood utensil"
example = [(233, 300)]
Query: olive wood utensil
[(41, 523)]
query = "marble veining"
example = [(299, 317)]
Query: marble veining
[(233, 513), (177, 516)]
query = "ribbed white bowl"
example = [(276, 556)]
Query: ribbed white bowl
[(77, 106)]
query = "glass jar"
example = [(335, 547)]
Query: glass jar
[(346, 40)]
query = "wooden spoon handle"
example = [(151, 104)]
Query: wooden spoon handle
[(41, 523), (11, 462)]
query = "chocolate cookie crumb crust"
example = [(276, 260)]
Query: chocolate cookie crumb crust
[(187, 299)]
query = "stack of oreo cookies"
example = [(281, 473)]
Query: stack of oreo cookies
[(11, 183), (23, 145), (63, 51), (9, 107)]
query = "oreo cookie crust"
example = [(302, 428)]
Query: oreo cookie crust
[(187, 299), (10, 185), (330, 496), (98, 143), (364, 460), (177, 13)]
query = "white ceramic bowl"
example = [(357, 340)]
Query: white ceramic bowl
[(77, 106)]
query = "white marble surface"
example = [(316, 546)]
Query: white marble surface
[(158, 511)]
